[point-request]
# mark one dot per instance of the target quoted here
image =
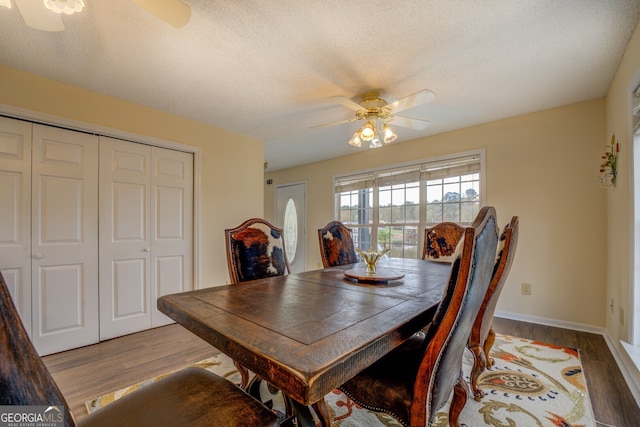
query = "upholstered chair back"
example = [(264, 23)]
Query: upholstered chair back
[(470, 277), (255, 250), (441, 240), (336, 245), (482, 334)]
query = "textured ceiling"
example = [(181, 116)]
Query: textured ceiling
[(267, 68)]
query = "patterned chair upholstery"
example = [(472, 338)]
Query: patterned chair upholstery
[(440, 241), (190, 397), (255, 250), (417, 378), (336, 245), (482, 334)]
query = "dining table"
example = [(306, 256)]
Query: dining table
[(308, 333)]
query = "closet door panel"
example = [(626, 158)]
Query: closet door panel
[(125, 243), (172, 226), (15, 213), (129, 297), (64, 239)]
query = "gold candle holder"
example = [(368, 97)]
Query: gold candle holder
[(370, 258)]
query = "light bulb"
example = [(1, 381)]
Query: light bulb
[(375, 143), (6, 3), (368, 131), (355, 139), (388, 134)]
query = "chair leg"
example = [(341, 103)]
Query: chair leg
[(479, 365), (244, 375), (323, 412), (488, 344), (460, 392)]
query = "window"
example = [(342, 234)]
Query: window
[(392, 206)]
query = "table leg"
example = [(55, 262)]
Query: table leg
[(303, 414), (294, 411), (323, 412)]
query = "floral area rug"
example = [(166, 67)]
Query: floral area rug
[(530, 384)]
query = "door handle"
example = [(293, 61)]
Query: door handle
[(146, 250), (37, 256)]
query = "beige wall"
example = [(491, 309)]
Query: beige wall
[(541, 167), (619, 199), (224, 202)]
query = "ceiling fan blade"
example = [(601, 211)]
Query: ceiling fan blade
[(347, 103), (411, 101), (409, 122), (334, 123), (174, 12), (37, 16)]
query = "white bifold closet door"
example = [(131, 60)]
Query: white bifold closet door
[(49, 231), (146, 223), (15, 213), (64, 239)]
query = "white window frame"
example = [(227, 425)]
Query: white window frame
[(421, 224)]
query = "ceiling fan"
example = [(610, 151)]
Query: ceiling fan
[(378, 113), (37, 15)]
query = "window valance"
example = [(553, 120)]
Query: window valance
[(410, 173)]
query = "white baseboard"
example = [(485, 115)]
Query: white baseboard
[(627, 360), (551, 322), (625, 357)]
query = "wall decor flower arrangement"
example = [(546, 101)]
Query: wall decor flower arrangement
[(609, 166)]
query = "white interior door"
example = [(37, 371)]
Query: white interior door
[(64, 239), (146, 233), (15, 213), (291, 217), (171, 226), (125, 242)]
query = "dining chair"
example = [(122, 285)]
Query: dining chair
[(440, 241), (482, 334), (255, 250), (416, 379), (190, 397), (336, 245)]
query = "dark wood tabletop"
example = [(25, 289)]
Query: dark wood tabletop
[(309, 333)]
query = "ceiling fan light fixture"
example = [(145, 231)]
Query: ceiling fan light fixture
[(376, 113), (375, 143), (68, 7), (355, 139), (388, 135), (368, 131)]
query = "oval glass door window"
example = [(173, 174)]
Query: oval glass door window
[(291, 230)]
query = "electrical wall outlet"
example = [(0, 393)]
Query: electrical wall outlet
[(525, 288)]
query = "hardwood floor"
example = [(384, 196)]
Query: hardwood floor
[(86, 373)]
